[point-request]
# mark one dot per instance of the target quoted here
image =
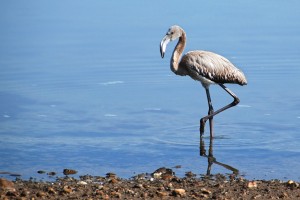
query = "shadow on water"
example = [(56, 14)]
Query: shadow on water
[(211, 159)]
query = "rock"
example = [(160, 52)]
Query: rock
[(205, 191), (99, 192), (69, 171), (111, 175), (113, 181), (162, 194), (41, 194), (82, 183), (116, 194), (252, 184), (166, 177), (129, 191), (292, 184), (11, 194), (258, 196), (14, 174), (24, 193), (6, 185), (41, 172), (144, 195), (190, 174), (140, 177), (179, 192), (51, 173), (140, 186), (162, 172), (67, 189), (170, 186), (51, 190)]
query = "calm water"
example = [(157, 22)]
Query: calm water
[(82, 86)]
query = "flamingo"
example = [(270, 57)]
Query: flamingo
[(204, 66)]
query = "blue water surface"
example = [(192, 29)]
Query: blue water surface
[(83, 86)]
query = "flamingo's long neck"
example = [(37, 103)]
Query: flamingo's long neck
[(177, 54)]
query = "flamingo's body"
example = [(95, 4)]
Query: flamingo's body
[(204, 66)]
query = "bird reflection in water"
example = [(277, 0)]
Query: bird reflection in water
[(211, 159)]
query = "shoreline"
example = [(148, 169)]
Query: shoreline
[(162, 183)]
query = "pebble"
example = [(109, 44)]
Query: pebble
[(116, 194), (14, 174), (162, 194), (140, 177), (7, 185), (51, 190), (51, 173), (166, 177), (41, 194), (111, 175), (162, 172), (139, 186), (24, 193), (67, 189), (82, 183), (113, 181), (190, 174), (292, 184), (69, 171), (179, 192), (205, 191), (252, 184), (170, 186)]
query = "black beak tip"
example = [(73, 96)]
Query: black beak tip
[(162, 53)]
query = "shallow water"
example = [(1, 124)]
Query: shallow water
[(82, 86)]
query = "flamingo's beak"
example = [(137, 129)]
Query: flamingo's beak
[(163, 45)]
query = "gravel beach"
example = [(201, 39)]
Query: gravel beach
[(161, 184)]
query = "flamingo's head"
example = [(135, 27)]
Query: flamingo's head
[(173, 33)]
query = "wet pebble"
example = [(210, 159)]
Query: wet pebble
[(163, 172), (140, 177), (166, 176), (51, 173), (111, 175), (69, 171), (190, 174)]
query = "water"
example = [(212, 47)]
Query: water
[(82, 86)]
